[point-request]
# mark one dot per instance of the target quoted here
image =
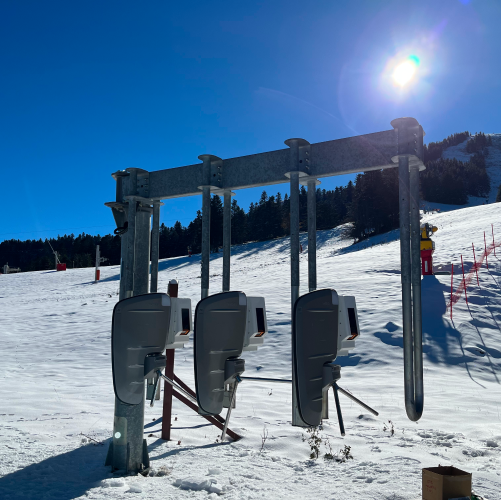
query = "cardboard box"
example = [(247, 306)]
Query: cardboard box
[(443, 483)]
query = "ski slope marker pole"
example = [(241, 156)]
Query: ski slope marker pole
[(493, 242), (485, 246), (475, 262), (452, 278), (464, 281)]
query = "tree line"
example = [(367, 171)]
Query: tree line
[(370, 204)]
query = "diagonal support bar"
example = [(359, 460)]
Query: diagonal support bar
[(210, 418)]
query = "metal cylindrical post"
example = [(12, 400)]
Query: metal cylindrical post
[(206, 171), (127, 450), (155, 236), (312, 234), (226, 240), (131, 237), (142, 251), (98, 261), (405, 276), (294, 145), (294, 236), (205, 241), (416, 290), (131, 217)]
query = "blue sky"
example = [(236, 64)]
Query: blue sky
[(88, 88)]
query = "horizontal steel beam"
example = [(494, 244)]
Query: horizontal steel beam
[(343, 156)]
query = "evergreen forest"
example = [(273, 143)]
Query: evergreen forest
[(370, 204)]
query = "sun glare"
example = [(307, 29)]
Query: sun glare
[(403, 73)]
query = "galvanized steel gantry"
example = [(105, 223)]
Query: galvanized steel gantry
[(136, 210)]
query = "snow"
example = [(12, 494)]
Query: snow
[(56, 393)]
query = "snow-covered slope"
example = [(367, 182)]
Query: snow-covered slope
[(493, 167), (55, 381)]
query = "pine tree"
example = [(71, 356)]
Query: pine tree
[(238, 224), (216, 223)]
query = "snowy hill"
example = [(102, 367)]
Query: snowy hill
[(492, 165), (56, 390)]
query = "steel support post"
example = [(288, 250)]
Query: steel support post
[(205, 241), (294, 223), (128, 451), (416, 292), (129, 419), (405, 276), (142, 251), (312, 234), (226, 240), (131, 232), (155, 234), (98, 261), (206, 169), (294, 243), (410, 155)]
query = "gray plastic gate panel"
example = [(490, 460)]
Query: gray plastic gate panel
[(220, 322), (140, 327), (315, 338)]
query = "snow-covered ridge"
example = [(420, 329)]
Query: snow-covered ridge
[(56, 390), (492, 164)]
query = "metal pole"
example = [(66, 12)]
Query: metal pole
[(406, 278), (294, 243), (155, 247), (176, 386), (98, 261), (142, 251), (416, 292), (205, 241), (353, 398), (294, 236), (226, 240), (493, 242), (338, 410), (128, 451), (228, 413), (129, 260), (312, 235), (206, 169)]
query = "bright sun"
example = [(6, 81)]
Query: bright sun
[(405, 71)]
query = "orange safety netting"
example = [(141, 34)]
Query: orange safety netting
[(474, 268)]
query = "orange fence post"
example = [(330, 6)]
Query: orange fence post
[(493, 242), (464, 280), (475, 263), (485, 246), (452, 278)]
